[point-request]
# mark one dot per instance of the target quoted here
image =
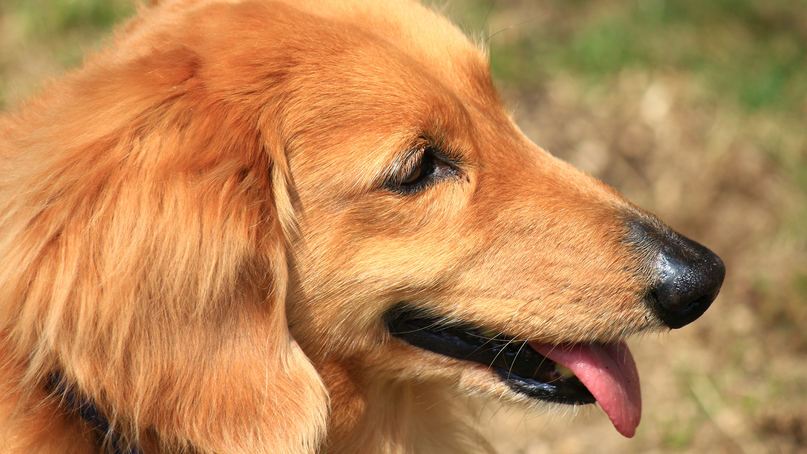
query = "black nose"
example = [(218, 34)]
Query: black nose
[(688, 278)]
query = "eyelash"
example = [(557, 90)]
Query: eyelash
[(420, 170)]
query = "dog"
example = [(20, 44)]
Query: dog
[(259, 226)]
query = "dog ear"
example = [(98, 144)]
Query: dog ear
[(144, 260)]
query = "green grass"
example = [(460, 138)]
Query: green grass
[(744, 51), (42, 37), (55, 18)]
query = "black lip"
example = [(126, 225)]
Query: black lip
[(522, 368)]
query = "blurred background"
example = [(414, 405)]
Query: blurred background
[(695, 110)]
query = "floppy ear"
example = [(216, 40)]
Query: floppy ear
[(145, 261)]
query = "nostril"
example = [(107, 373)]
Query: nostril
[(688, 278)]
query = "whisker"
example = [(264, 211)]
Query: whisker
[(512, 26)]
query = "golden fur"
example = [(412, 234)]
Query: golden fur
[(197, 232)]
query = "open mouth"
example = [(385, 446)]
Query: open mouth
[(565, 374)]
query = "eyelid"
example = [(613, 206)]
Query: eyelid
[(431, 163), (410, 161), (438, 146), (405, 162)]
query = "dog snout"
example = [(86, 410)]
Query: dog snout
[(686, 275)]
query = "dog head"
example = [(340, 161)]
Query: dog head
[(242, 209)]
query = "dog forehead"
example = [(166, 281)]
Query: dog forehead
[(402, 21), (424, 33), (419, 32)]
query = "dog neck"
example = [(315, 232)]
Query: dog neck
[(86, 409), (368, 415)]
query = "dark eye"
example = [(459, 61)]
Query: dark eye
[(420, 170), (419, 167)]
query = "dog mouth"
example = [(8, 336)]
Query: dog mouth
[(572, 374)]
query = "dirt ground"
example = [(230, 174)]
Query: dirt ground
[(728, 171)]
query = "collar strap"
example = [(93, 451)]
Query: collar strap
[(86, 409)]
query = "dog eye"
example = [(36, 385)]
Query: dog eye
[(417, 171), (420, 170)]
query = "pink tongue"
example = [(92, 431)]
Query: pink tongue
[(608, 371)]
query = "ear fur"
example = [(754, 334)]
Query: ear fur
[(144, 259)]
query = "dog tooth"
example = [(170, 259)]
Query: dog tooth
[(564, 371)]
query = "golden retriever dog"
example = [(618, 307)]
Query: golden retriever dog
[(261, 226)]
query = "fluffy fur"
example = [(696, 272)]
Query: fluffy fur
[(202, 228)]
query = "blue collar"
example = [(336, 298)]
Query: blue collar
[(86, 409)]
